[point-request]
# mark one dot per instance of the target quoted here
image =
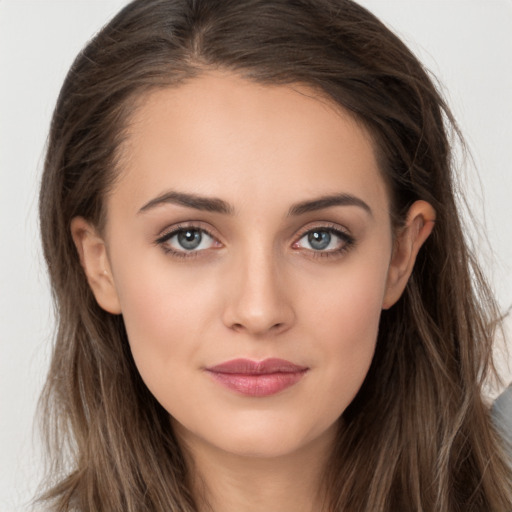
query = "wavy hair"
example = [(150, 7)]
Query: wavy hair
[(418, 436)]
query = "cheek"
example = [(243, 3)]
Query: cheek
[(345, 322), (348, 302), (164, 313)]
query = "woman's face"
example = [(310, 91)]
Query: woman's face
[(248, 223)]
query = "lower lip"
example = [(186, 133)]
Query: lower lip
[(258, 385)]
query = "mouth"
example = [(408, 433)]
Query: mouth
[(257, 378)]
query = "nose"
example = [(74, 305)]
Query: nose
[(257, 300)]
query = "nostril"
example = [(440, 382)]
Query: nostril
[(240, 327)]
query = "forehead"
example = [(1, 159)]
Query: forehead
[(223, 135)]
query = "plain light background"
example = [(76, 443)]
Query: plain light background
[(467, 44)]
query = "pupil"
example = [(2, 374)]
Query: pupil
[(190, 239), (319, 239)]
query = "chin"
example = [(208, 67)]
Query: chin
[(261, 446), (263, 438)]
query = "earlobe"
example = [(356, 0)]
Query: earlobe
[(419, 224), (94, 260)]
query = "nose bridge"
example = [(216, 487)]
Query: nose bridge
[(258, 302)]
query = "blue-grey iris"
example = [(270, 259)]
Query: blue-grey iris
[(190, 239), (319, 239)]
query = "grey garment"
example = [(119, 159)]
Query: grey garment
[(502, 415)]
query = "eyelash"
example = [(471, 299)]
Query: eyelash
[(346, 239), (163, 240)]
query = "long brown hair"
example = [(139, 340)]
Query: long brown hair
[(418, 436)]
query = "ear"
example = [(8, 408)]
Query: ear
[(94, 260), (419, 224)]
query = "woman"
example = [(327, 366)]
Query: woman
[(265, 297)]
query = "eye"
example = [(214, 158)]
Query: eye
[(326, 240), (187, 240)]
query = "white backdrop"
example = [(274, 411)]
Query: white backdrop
[(466, 43)]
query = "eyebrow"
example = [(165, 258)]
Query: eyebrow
[(216, 205), (327, 202), (209, 204)]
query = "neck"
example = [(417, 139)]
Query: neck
[(226, 482)]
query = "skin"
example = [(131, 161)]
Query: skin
[(255, 287)]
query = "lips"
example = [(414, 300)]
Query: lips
[(257, 378)]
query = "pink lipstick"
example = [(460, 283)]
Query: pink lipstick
[(257, 378)]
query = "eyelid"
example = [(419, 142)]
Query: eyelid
[(169, 232), (343, 233), (326, 226), (347, 239), (189, 224)]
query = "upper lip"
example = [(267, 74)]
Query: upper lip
[(249, 367)]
